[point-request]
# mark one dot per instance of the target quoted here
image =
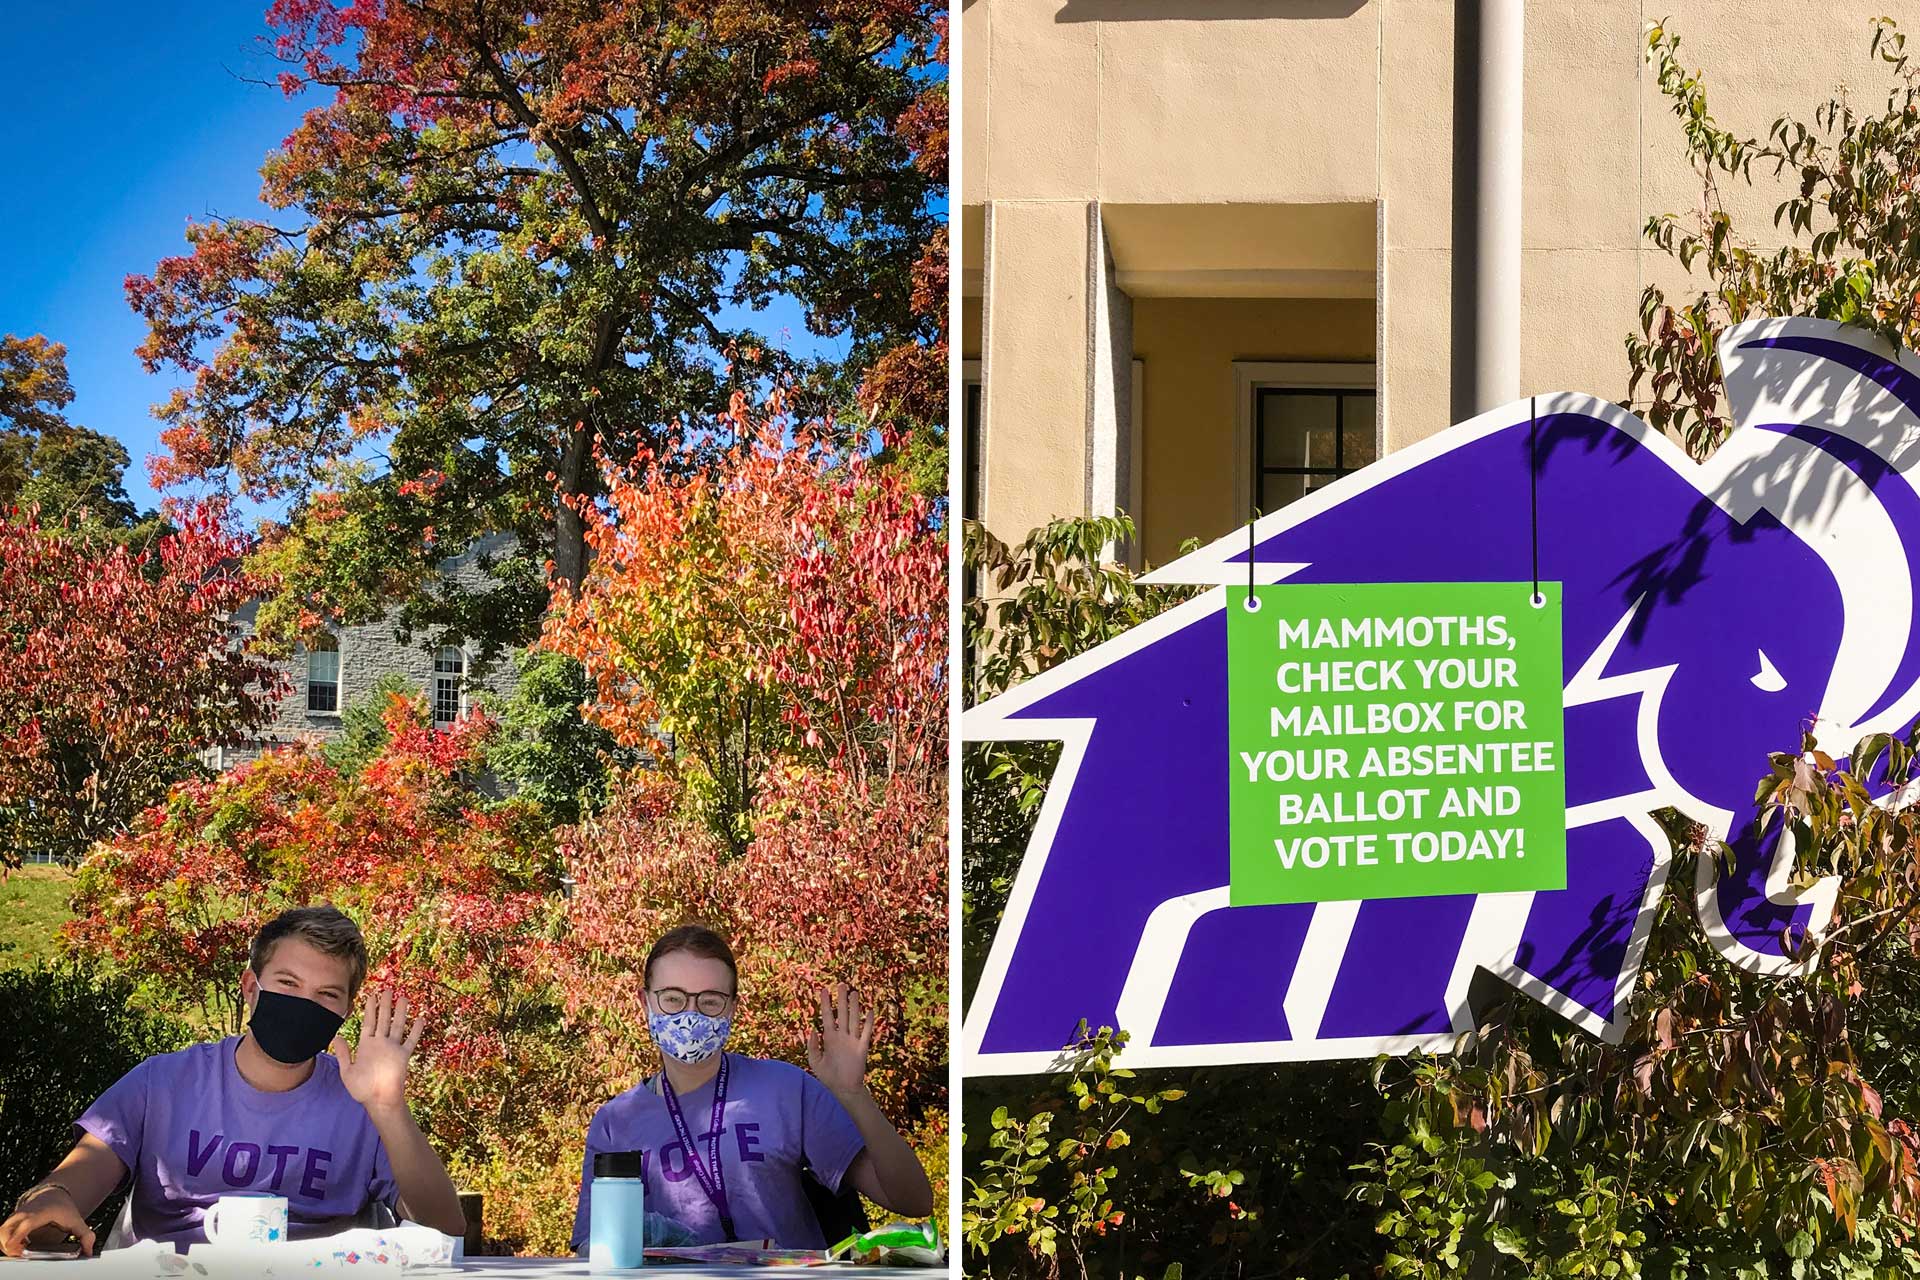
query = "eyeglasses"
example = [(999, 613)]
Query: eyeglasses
[(711, 1003)]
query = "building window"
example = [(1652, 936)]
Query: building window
[(1304, 438), (972, 474), (1303, 426), (449, 680), (323, 676), (970, 481)]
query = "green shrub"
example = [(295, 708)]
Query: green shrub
[(364, 723), (546, 750), (70, 1033), (529, 1181)]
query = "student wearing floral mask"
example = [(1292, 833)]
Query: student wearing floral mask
[(268, 1112), (723, 1139)]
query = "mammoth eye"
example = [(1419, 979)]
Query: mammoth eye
[(1768, 678)]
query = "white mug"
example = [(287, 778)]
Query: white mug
[(247, 1219)]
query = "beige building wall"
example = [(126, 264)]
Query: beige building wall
[(1300, 151), (1187, 348), (1034, 342)]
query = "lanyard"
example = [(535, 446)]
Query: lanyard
[(711, 1177)]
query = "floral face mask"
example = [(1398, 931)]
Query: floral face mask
[(690, 1036)]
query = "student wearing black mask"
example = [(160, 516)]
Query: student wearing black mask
[(270, 1111)]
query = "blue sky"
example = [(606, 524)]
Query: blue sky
[(124, 121)]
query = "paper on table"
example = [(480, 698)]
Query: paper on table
[(359, 1252), (333, 1256), (422, 1246)]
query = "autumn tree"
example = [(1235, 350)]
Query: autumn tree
[(70, 472), (1845, 228), (904, 391), (787, 581), (513, 237), (784, 604), (116, 668), (772, 628)]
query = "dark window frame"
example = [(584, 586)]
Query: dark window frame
[(972, 428), (973, 473), (1261, 470)]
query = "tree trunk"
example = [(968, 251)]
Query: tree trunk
[(574, 481), (576, 478)]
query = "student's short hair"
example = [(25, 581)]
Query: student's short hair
[(326, 929), (697, 940)]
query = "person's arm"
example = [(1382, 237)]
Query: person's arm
[(427, 1193), (886, 1172), (375, 1074), (65, 1197)]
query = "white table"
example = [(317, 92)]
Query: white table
[(553, 1268)]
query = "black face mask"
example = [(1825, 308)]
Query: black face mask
[(292, 1029)]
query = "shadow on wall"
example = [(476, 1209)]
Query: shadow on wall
[(1200, 10)]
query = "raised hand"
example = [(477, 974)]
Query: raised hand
[(375, 1072), (837, 1050)]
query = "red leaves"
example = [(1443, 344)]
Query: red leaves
[(116, 667), (909, 381), (797, 69), (427, 486), (185, 303), (923, 127), (808, 587), (908, 384), (810, 583), (930, 275)]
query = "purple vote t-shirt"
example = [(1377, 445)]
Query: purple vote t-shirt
[(777, 1118), (192, 1130)]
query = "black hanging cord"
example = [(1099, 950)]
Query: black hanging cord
[(1253, 517), (1533, 490)]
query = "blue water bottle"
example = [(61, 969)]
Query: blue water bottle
[(616, 1212)]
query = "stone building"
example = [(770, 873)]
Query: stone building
[(327, 680)]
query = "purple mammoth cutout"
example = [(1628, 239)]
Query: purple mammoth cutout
[(1712, 613)]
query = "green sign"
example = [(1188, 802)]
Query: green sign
[(1395, 740)]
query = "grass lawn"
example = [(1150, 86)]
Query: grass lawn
[(33, 906)]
